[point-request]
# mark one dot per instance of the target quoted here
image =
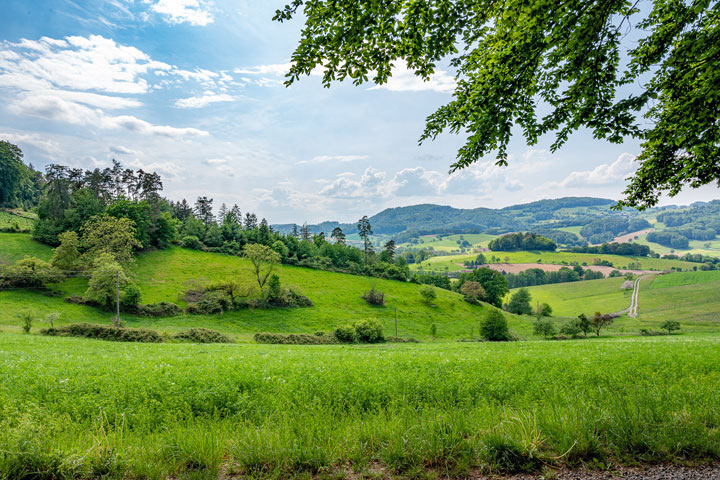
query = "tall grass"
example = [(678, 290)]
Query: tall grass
[(75, 407)]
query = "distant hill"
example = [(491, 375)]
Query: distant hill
[(429, 218)]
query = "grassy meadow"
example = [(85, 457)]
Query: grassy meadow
[(11, 220), (76, 408), (450, 243), (163, 276), (454, 263)]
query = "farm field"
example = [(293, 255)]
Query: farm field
[(449, 243), (587, 296), (691, 298), (454, 262), (696, 246), (202, 411)]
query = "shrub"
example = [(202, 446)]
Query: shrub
[(369, 331), (345, 334), (274, 292), (30, 272), (105, 332), (571, 328), (27, 320), (131, 296), (494, 327), (520, 302), (670, 326), (161, 309), (203, 335), (428, 293), (473, 291), (401, 340), (191, 242), (433, 330), (295, 339), (374, 297), (544, 326)]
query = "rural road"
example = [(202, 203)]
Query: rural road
[(632, 310)]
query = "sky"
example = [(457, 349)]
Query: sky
[(193, 89)]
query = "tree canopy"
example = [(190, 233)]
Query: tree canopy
[(542, 67)]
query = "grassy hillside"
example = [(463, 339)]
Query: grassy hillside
[(14, 246), (454, 262), (163, 275), (705, 247), (574, 298), (20, 220), (691, 298), (450, 243)]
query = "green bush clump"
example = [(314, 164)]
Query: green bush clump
[(105, 332), (191, 242), (494, 327), (374, 297), (160, 309), (203, 335), (295, 339), (369, 331), (345, 334), (401, 340)]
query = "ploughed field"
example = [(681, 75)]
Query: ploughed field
[(82, 408)]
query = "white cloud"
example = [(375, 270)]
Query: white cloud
[(370, 185), (417, 182), (38, 141), (602, 175), (332, 158), (55, 108), (120, 150), (206, 99), (194, 12), (404, 80), (278, 69)]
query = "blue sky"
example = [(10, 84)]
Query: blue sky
[(193, 90)]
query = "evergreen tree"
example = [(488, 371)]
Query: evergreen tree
[(365, 230), (338, 235), (203, 210)]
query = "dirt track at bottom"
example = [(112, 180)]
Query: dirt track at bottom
[(648, 472)]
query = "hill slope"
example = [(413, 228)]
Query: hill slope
[(163, 276)]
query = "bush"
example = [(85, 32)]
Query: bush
[(202, 335), (27, 320), (374, 297), (105, 332), (295, 339), (428, 293), (670, 326), (401, 340), (369, 331), (345, 334), (161, 309), (572, 328), (191, 242), (494, 327), (473, 291), (544, 327), (131, 297)]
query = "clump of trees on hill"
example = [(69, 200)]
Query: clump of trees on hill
[(605, 229), (627, 249), (522, 241)]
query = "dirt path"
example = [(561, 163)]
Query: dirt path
[(647, 472), (632, 310)]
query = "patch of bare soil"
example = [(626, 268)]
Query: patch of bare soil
[(646, 472)]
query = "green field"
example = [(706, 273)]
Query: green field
[(453, 263), (449, 243), (76, 408), (10, 220), (696, 246), (691, 298), (163, 275), (574, 298), (14, 246)]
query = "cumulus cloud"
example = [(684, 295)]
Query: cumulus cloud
[(332, 158), (604, 174), (206, 99), (54, 108), (369, 185), (416, 182), (278, 69), (404, 80), (194, 12), (120, 150), (41, 142)]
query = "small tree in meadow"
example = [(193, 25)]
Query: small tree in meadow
[(374, 297), (66, 255), (670, 326), (495, 328), (520, 302), (583, 323), (473, 291), (599, 321), (428, 293), (544, 326), (263, 259)]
